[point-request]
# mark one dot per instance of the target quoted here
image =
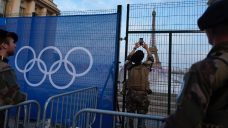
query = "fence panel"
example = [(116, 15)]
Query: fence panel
[(20, 115), (83, 119), (170, 29), (60, 109)]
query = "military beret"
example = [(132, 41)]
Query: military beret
[(215, 15)]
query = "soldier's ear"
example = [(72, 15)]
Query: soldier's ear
[(3, 45)]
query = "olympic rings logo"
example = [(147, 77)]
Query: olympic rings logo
[(30, 64)]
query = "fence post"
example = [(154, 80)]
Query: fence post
[(119, 13), (169, 72), (125, 70), (125, 58)]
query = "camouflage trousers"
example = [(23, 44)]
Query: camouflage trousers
[(137, 102)]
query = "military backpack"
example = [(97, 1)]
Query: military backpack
[(138, 78)]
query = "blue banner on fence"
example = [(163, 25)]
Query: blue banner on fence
[(2, 21), (60, 54)]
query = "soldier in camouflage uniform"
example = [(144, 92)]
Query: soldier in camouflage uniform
[(203, 102), (137, 83), (9, 89)]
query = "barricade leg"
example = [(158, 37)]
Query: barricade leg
[(19, 115), (61, 108), (141, 123), (2, 119)]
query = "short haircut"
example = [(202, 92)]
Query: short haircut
[(137, 57)]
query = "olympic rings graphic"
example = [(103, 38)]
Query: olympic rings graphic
[(43, 67)]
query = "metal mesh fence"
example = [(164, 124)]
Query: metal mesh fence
[(172, 33), (169, 15)]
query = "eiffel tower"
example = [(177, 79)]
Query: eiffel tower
[(153, 46)]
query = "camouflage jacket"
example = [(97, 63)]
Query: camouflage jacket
[(9, 89), (138, 74), (203, 102)]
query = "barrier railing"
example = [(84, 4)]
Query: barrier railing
[(60, 109), (83, 119), (20, 115)]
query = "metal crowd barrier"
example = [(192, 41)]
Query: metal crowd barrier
[(83, 119), (59, 110), (20, 115)]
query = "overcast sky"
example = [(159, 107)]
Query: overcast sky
[(73, 5)]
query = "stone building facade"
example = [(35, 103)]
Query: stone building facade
[(11, 8)]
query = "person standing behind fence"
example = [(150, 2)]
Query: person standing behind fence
[(137, 83), (9, 89), (203, 102)]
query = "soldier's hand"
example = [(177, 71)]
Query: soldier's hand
[(137, 45), (145, 46)]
